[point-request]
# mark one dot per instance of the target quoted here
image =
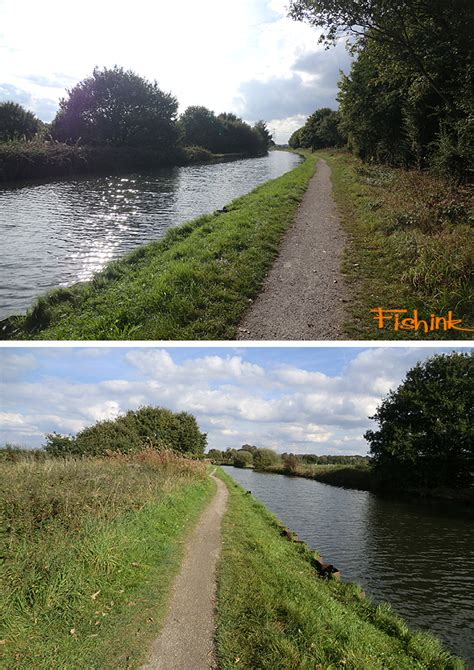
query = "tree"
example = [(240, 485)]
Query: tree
[(200, 127), (117, 107), (17, 123), (265, 134), (416, 81), (426, 427), (243, 459), (215, 454), (320, 130), (238, 137), (264, 458), (295, 139)]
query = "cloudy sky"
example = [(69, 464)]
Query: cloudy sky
[(245, 57), (305, 400)]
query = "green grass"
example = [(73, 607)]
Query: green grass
[(274, 613), (91, 549), (409, 245), (196, 283)]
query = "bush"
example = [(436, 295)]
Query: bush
[(152, 426), (263, 458), (243, 459)]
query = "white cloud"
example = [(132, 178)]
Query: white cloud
[(235, 400)]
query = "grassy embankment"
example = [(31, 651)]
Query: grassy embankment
[(275, 613), (91, 549), (409, 245), (40, 160), (195, 283), (361, 477), (347, 476)]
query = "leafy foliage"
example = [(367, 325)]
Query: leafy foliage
[(17, 123), (117, 107), (321, 130), (132, 432), (243, 459), (265, 457), (409, 97), (225, 133), (426, 427)]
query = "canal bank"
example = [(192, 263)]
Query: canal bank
[(274, 611), (195, 283), (362, 478), (419, 558)]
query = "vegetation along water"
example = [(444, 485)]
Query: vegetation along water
[(417, 556)]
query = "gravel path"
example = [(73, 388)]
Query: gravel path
[(303, 295), (187, 639)]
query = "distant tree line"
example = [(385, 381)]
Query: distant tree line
[(148, 426), (258, 457), (409, 98), (119, 108)]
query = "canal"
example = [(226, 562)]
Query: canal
[(417, 556), (61, 232)]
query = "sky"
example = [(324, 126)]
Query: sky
[(304, 400), (247, 57)]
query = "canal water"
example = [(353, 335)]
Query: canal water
[(60, 232), (418, 557)]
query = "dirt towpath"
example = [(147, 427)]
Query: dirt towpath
[(303, 295), (187, 638)]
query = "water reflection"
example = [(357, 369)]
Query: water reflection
[(419, 557), (57, 233)]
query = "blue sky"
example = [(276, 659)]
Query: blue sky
[(301, 399), (248, 57)]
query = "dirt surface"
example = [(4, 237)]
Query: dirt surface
[(187, 639), (303, 295)]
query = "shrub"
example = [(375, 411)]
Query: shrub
[(263, 458), (152, 426), (243, 459)]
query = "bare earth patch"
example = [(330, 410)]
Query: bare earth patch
[(304, 294), (187, 637)]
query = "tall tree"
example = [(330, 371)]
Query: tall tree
[(117, 107), (421, 52), (200, 127), (426, 427)]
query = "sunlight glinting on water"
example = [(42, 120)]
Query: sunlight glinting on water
[(58, 233)]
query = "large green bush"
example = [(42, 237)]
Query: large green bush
[(131, 432)]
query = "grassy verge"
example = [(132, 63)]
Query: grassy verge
[(195, 283), (275, 613), (409, 246), (91, 549)]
